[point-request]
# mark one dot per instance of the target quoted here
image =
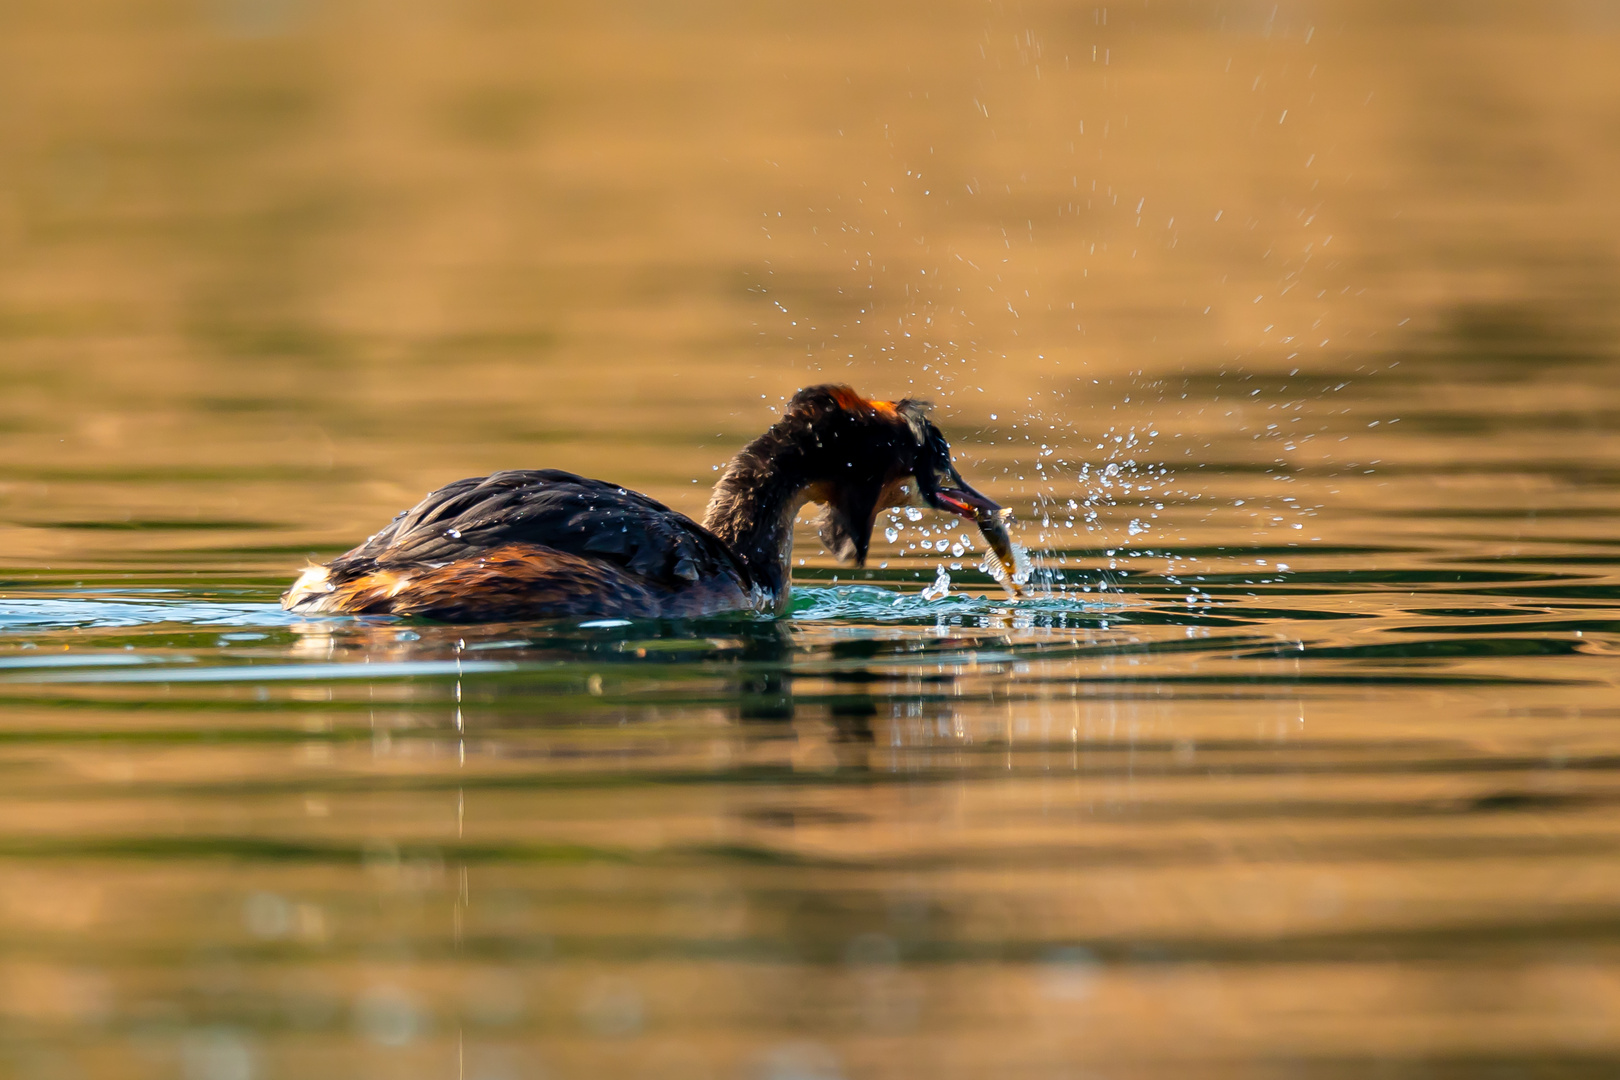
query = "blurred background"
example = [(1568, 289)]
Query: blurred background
[(1291, 325), (290, 264)]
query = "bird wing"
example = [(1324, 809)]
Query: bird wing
[(553, 509)]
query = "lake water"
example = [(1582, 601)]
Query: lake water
[(1289, 332)]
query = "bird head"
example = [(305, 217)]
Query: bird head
[(863, 456)]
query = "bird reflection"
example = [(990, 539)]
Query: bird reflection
[(752, 658)]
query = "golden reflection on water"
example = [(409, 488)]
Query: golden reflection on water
[(306, 261), (1326, 791)]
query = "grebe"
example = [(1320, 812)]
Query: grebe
[(541, 543)]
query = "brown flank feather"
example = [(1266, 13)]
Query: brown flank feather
[(526, 581)]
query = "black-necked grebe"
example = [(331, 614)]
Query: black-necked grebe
[(537, 544)]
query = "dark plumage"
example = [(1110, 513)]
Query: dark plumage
[(533, 544)]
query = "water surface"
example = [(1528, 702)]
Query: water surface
[(1287, 332)]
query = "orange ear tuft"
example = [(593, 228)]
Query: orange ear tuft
[(850, 401)]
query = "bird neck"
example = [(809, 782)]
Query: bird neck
[(753, 507)]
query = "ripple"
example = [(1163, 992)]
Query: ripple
[(869, 603), (61, 614)]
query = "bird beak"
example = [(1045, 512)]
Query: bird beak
[(957, 497)]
